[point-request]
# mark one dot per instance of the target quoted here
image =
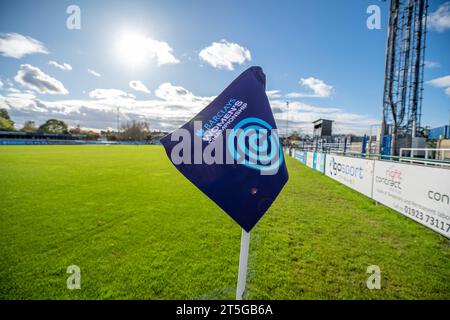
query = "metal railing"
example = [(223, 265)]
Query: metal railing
[(377, 156), (425, 151), (428, 153)]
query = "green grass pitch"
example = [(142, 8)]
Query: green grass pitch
[(139, 230)]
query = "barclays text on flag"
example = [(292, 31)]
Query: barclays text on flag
[(221, 120)]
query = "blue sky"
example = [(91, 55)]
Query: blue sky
[(321, 51)]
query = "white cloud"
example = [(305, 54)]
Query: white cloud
[(442, 82), (301, 116), (64, 66), (296, 95), (272, 94), (432, 64), (161, 51), (169, 92), (109, 94), (14, 90), (440, 19), (1, 83), (15, 45), (99, 112), (224, 55), (138, 86), (9, 83), (21, 95), (33, 78), (94, 73), (135, 49), (318, 88)]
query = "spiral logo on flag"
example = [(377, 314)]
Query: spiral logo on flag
[(254, 143)]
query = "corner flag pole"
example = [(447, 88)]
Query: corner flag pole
[(243, 258)]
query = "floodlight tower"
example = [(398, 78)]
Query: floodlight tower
[(403, 82)]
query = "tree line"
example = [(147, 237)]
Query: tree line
[(130, 131)]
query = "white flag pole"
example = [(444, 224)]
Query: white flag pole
[(243, 258)]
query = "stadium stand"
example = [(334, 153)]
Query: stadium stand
[(39, 138)]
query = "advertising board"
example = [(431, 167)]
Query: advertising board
[(418, 192), (310, 159), (355, 173), (319, 161), (300, 156)]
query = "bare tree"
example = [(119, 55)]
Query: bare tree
[(134, 131), (29, 126)]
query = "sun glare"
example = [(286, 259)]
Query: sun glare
[(132, 48)]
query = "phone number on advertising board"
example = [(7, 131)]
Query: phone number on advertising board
[(432, 221)]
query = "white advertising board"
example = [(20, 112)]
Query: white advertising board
[(300, 156), (418, 192), (319, 161), (355, 173), (310, 159)]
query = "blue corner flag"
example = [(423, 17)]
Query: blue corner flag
[(231, 150)]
